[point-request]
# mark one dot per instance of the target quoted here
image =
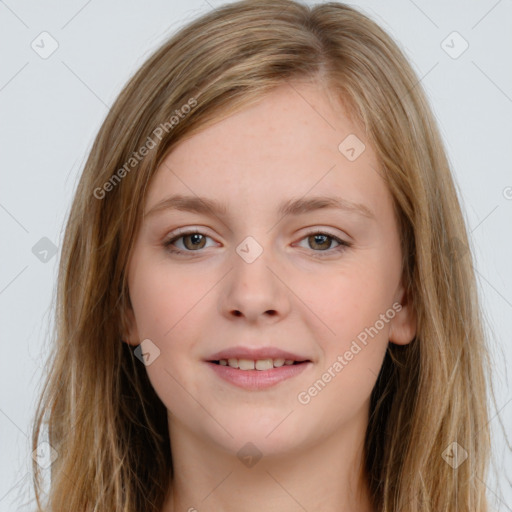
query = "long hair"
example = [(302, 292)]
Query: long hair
[(104, 419)]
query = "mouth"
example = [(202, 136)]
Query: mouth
[(257, 368), (257, 364), (258, 374)]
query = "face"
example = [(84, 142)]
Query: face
[(320, 282)]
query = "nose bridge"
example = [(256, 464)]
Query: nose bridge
[(254, 288), (251, 261)]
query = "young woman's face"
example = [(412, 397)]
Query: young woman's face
[(271, 271)]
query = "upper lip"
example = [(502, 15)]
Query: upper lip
[(256, 354)]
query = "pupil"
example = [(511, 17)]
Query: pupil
[(320, 239), (194, 240)]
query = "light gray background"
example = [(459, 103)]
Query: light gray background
[(52, 108)]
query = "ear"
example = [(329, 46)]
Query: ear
[(129, 332), (403, 326)]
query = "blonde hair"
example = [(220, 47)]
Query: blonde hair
[(104, 419)]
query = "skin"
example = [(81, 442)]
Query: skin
[(209, 299)]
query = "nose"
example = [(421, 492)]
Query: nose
[(255, 290)]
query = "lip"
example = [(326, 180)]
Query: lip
[(255, 380), (255, 353)]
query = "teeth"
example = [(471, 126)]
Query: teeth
[(260, 364), (264, 364), (245, 364)]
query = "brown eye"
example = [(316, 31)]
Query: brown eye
[(320, 242), (196, 240), (189, 242)]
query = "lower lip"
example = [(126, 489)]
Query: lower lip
[(258, 379)]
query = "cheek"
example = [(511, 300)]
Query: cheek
[(162, 298), (164, 305), (167, 306), (350, 301), (353, 344)]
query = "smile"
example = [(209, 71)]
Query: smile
[(259, 364), (256, 375)]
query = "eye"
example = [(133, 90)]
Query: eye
[(192, 241), (320, 242)]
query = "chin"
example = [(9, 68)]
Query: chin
[(271, 436)]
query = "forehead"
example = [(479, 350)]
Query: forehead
[(292, 143)]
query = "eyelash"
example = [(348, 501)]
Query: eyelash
[(343, 245)]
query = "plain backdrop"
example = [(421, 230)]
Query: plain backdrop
[(53, 105)]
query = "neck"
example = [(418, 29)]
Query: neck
[(327, 476)]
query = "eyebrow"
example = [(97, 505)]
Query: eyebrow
[(204, 205)]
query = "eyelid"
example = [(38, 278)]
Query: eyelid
[(342, 244), (320, 230), (181, 232), (187, 231), (193, 229)]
